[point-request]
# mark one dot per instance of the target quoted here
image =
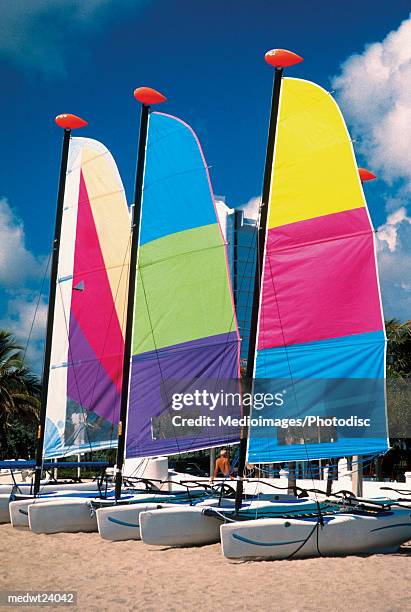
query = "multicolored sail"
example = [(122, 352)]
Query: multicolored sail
[(184, 321), (321, 330), (88, 332)]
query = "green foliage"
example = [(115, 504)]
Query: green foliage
[(399, 378), (21, 439), (398, 349), (19, 401)]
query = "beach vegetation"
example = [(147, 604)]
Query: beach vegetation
[(19, 401)]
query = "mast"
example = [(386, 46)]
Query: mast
[(147, 96), (280, 59), (67, 122)]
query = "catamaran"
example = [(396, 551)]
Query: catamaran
[(183, 328), (170, 319), (84, 338), (317, 333), (177, 325), (84, 352)]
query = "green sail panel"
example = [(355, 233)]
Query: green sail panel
[(184, 326)]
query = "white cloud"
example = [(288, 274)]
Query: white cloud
[(388, 232), (17, 263), (395, 276), (21, 274), (251, 208), (374, 90), (40, 34), (26, 318)]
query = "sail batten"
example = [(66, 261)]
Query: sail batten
[(320, 309)]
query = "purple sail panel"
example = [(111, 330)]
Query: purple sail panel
[(88, 384), (205, 359)]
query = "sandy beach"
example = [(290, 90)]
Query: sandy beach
[(133, 576)]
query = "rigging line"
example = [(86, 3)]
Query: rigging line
[(99, 367), (252, 252), (285, 347), (37, 306), (140, 277), (227, 341), (86, 410), (238, 289), (259, 270), (73, 366), (138, 466), (123, 326), (234, 320), (243, 276)]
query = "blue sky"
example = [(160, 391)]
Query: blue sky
[(87, 56)]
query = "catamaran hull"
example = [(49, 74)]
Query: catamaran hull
[(4, 508), (63, 516), (183, 526), (343, 534), (191, 526), (68, 515), (123, 522), (7, 490), (19, 509), (48, 487)]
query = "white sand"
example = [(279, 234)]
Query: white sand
[(132, 576)]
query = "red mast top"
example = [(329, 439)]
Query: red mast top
[(70, 122), (148, 96), (282, 58)]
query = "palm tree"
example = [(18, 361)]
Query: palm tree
[(398, 377), (399, 348), (19, 390)]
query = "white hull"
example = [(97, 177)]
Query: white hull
[(19, 509), (49, 487), (180, 526), (6, 491), (4, 508), (119, 523), (189, 526), (343, 534), (66, 515)]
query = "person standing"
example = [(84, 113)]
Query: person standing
[(222, 465)]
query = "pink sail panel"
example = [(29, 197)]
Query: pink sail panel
[(89, 320), (319, 280), (99, 325)]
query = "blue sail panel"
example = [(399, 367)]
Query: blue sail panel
[(333, 400)]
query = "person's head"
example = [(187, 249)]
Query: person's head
[(223, 452)]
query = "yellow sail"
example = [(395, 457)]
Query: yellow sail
[(314, 171)]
